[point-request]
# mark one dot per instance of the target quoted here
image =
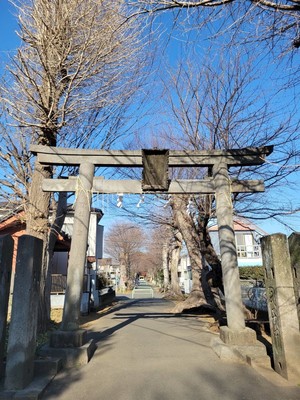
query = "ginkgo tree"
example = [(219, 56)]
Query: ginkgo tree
[(70, 83)]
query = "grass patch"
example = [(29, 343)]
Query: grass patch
[(56, 319)]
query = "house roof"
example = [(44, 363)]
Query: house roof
[(240, 224), (7, 212), (15, 221)]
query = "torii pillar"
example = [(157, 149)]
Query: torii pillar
[(235, 333), (78, 249), (70, 334)]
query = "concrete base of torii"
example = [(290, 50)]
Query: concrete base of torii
[(246, 336), (71, 346), (240, 346)]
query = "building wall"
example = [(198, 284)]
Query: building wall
[(60, 262), (15, 227), (185, 273), (248, 247), (95, 236), (100, 241), (92, 237)]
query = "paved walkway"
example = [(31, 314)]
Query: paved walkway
[(146, 353)]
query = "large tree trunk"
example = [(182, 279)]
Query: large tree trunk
[(59, 214), (37, 223), (190, 233), (214, 276), (174, 261)]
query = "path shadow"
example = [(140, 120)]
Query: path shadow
[(131, 317)]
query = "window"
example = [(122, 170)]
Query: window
[(246, 246)]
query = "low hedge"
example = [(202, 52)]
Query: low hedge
[(256, 273)]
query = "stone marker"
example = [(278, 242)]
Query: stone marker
[(6, 256), (294, 245), (23, 326), (282, 306)]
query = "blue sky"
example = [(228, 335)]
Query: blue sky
[(8, 26), (9, 42)]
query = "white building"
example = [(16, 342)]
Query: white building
[(185, 272), (60, 258), (247, 236)]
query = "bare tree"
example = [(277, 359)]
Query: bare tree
[(221, 105), (269, 20), (157, 254), (175, 248), (76, 68), (165, 247), (288, 5), (124, 242), (16, 168)]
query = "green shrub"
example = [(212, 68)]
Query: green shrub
[(255, 273), (102, 281)]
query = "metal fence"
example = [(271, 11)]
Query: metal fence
[(255, 297)]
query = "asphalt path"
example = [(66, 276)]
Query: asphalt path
[(147, 353)]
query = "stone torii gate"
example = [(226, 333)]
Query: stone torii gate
[(155, 164)]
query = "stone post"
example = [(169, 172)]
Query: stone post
[(235, 333), (294, 247), (6, 256), (23, 325), (282, 306), (78, 249)]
